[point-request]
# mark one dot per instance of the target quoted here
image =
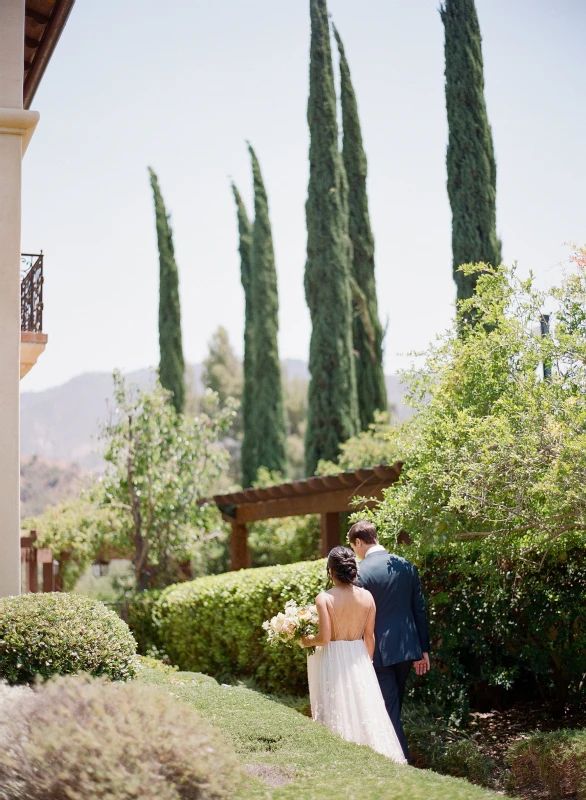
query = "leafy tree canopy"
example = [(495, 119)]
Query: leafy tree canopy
[(377, 445), (160, 464), (222, 368), (75, 531), (496, 455)]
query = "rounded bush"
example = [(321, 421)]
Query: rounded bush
[(59, 634), (79, 737)]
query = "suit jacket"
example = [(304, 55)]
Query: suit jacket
[(400, 626)]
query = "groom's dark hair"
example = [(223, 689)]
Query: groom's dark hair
[(363, 530)]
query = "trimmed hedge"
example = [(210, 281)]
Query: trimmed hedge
[(525, 636), (60, 634), (77, 737), (214, 624)]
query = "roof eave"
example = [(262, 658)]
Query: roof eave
[(51, 36)]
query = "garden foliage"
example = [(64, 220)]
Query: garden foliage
[(160, 464), (376, 445), (214, 624), (74, 531), (496, 453), (487, 646), (81, 738), (493, 491), (60, 634)]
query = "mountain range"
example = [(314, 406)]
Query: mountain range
[(62, 424)]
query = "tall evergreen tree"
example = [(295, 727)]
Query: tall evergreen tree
[(332, 403), (172, 364), (470, 158), (367, 332), (248, 453), (268, 408)]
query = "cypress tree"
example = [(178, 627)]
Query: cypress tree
[(470, 157), (172, 365), (248, 452), (367, 332), (268, 408), (332, 415)]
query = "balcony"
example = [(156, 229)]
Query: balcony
[(32, 339)]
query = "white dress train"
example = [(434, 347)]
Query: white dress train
[(346, 697)]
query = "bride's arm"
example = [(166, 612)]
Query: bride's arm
[(324, 633), (369, 632)]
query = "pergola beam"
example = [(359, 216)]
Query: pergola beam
[(329, 496), (324, 502)]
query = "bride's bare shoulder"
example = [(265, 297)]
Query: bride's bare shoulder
[(367, 597)]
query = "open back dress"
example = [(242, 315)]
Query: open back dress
[(343, 687)]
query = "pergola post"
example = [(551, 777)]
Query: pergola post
[(330, 531), (32, 578), (239, 555)]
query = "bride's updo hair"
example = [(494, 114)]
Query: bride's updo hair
[(342, 563)]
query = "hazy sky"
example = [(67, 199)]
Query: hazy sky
[(181, 89)]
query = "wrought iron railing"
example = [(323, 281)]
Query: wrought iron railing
[(31, 292)]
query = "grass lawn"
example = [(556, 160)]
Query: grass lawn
[(279, 744)]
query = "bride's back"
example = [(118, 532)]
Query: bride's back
[(349, 608)]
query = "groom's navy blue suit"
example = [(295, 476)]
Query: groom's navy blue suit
[(400, 627)]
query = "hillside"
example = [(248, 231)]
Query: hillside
[(62, 424), (45, 483)]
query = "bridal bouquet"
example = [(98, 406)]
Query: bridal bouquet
[(289, 626)]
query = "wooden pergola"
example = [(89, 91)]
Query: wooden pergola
[(329, 496)]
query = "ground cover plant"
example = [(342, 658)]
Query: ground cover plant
[(288, 756), (554, 762), (59, 634), (78, 737)]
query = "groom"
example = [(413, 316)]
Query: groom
[(400, 627)]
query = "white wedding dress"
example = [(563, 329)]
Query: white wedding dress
[(345, 694)]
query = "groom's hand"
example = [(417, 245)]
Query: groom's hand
[(423, 666)]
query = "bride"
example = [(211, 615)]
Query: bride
[(343, 687)]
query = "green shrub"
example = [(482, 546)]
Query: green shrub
[(500, 633), (214, 624), (285, 541), (464, 759), (77, 737), (436, 742), (59, 634), (528, 634), (553, 761)]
